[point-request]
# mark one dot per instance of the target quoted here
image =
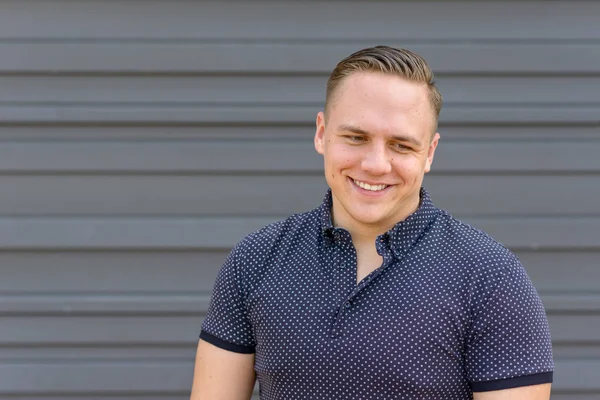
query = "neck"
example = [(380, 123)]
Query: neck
[(366, 233)]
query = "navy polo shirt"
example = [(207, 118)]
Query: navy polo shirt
[(449, 312)]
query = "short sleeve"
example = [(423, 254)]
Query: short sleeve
[(226, 324), (510, 344)]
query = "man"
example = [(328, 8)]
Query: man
[(376, 294)]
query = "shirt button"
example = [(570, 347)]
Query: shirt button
[(342, 266), (348, 304)]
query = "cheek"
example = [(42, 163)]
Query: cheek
[(340, 158), (408, 169), (345, 156)]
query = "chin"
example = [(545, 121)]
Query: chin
[(369, 219)]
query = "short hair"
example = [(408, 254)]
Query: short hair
[(387, 60)]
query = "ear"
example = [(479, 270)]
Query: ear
[(431, 152), (320, 133)]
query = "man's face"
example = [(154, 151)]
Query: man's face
[(377, 146)]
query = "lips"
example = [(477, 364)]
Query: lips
[(372, 188)]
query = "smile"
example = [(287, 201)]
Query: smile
[(372, 188)]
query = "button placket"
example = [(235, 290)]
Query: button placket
[(344, 277), (343, 309), (385, 252)]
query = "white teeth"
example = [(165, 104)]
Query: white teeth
[(373, 188)]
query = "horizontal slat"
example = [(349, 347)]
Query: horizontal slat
[(280, 89), (300, 132), (134, 378), (160, 195), (579, 375), (576, 303), (326, 20), (277, 114), (221, 233), (78, 353), (264, 195), (576, 350), (564, 272), (88, 304), (109, 377), (542, 233), (197, 304), (292, 57), (525, 195), (125, 233), (520, 156), (282, 156), (161, 156), (144, 132), (109, 272), (574, 328), (124, 330)]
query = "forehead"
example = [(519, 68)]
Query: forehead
[(381, 101)]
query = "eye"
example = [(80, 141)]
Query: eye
[(401, 147), (357, 139)]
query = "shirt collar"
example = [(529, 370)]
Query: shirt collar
[(403, 235)]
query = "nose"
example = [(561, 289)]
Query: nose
[(376, 161)]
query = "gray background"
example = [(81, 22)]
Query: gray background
[(139, 140)]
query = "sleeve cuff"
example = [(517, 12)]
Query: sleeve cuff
[(527, 380), (510, 383), (236, 348)]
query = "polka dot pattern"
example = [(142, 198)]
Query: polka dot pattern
[(450, 311)]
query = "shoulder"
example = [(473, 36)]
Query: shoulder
[(294, 233), (280, 232), (476, 249), (492, 275)]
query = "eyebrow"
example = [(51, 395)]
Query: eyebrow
[(400, 138)]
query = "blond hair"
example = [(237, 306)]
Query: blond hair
[(387, 60)]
